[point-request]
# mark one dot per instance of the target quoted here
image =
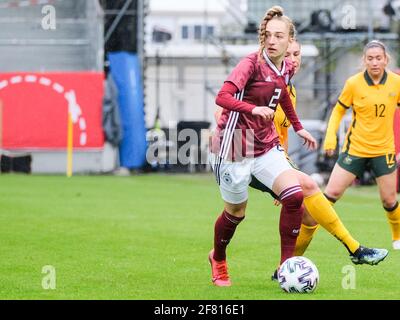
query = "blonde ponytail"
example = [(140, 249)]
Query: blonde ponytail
[(276, 12)]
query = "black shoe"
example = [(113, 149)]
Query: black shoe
[(369, 256), (274, 277)]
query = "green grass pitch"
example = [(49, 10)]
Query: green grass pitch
[(147, 238)]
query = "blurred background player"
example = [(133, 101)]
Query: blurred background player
[(374, 95), (249, 97)]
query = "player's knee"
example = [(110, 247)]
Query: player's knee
[(333, 194), (389, 202), (292, 198), (236, 210), (309, 187)]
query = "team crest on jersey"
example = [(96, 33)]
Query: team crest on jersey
[(348, 160), (392, 94), (268, 79), (227, 178)]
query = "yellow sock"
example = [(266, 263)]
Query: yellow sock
[(393, 216), (322, 211), (304, 238)]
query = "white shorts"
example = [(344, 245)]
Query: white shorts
[(233, 178)]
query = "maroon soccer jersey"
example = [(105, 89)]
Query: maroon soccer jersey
[(251, 84)]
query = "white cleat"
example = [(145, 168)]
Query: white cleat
[(396, 244), (371, 256)]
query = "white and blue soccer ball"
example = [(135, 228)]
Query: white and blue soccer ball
[(298, 275)]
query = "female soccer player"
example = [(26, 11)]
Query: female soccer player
[(317, 208), (246, 143), (373, 95), (315, 202)]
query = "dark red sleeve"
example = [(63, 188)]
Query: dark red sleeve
[(289, 111), (226, 99), (243, 72)]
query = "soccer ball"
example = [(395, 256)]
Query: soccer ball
[(298, 275)]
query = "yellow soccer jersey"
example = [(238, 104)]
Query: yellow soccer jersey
[(281, 122), (371, 131)]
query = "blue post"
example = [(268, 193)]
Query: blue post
[(126, 72)]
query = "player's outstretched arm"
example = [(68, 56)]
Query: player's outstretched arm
[(330, 141)]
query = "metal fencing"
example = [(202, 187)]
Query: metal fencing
[(51, 35)]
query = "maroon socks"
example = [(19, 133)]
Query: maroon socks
[(289, 225), (290, 220), (225, 227)]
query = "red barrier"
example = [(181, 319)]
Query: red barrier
[(35, 110)]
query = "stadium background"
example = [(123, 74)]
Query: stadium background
[(131, 75)]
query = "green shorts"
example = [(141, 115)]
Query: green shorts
[(380, 166)]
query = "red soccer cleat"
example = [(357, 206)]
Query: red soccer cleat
[(219, 270)]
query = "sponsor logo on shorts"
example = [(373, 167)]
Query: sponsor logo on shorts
[(348, 160)]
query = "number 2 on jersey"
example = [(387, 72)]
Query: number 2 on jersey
[(275, 98)]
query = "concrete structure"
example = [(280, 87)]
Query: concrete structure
[(75, 44)]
